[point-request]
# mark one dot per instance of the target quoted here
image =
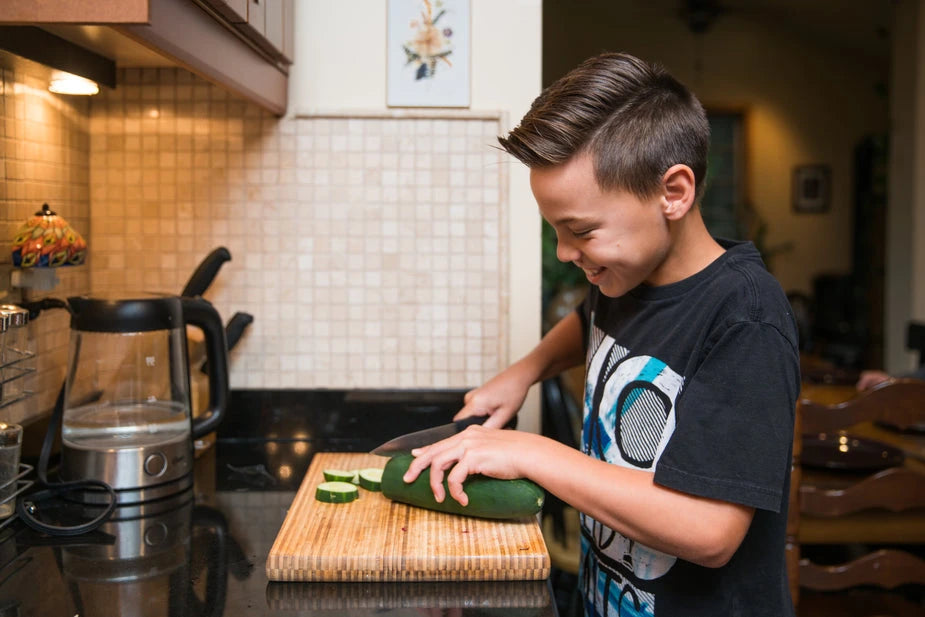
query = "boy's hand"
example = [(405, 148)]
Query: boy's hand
[(500, 399), (489, 451)]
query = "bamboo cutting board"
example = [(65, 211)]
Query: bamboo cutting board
[(513, 595), (376, 539)]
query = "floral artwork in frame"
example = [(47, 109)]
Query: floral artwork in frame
[(428, 53)]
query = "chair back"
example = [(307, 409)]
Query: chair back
[(840, 504), (897, 402)]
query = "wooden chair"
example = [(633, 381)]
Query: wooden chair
[(850, 508)]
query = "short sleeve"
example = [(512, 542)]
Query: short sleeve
[(735, 420)]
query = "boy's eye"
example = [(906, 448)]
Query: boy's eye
[(581, 233)]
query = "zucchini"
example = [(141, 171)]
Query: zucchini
[(370, 479), (488, 497), (339, 475), (336, 492)]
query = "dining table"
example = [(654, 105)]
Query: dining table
[(869, 526)]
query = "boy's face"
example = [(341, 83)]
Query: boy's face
[(617, 239)]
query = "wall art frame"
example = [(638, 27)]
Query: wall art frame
[(428, 53), (812, 189)]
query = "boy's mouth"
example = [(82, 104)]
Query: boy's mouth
[(592, 272)]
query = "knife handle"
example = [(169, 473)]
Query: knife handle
[(469, 421)]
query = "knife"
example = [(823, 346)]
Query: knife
[(404, 444)]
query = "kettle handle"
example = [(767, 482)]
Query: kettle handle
[(201, 313)]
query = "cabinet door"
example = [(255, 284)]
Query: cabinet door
[(289, 30), (235, 11), (274, 24), (257, 16)]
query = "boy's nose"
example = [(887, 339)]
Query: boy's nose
[(566, 252)]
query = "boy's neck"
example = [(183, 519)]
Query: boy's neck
[(692, 249)]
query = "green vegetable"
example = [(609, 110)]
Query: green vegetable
[(339, 475), (336, 492), (370, 479), (488, 497)]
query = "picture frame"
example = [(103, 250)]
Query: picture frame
[(812, 188), (428, 53)]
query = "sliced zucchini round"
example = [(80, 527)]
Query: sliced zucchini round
[(370, 479), (336, 492), (339, 475)]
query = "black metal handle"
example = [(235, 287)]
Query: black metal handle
[(469, 421), (200, 312), (234, 330), (205, 273)]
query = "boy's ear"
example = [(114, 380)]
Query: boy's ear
[(678, 188)]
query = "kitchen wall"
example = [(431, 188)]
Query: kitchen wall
[(374, 247), (340, 65), (369, 248), (808, 99), (905, 250), (44, 157)]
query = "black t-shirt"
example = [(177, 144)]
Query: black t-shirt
[(697, 382)]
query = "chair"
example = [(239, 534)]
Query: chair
[(879, 515), (562, 422)]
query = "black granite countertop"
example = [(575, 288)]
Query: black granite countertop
[(203, 552)]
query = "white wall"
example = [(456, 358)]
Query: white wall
[(340, 66), (905, 252)]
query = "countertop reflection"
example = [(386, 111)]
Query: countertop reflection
[(204, 552)]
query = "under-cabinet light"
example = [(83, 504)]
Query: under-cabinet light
[(58, 54), (67, 83)]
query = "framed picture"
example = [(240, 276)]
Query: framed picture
[(428, 53), (812, 188)]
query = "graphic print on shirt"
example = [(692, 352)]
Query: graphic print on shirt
[(629, 416)]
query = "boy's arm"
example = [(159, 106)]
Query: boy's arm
[(700, 530), (502, 396), (703, 531)]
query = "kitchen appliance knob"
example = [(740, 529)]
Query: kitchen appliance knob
[(155, 464), (156, 535)]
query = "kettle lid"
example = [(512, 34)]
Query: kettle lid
[(139, 312)]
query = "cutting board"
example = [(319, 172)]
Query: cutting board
[(376, 539), (512, 595)]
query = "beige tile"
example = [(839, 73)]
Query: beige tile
[(375, 240)]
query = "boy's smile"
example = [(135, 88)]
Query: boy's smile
[(617, 239)]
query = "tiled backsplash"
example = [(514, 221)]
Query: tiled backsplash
[(368, 249), (44, 157)]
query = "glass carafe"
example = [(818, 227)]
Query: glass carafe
[(127, 417)]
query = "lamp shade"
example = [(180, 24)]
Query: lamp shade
[(46, 240)]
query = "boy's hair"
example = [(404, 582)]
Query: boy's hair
[(634, 119)]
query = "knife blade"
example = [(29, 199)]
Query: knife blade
[(404, 444)]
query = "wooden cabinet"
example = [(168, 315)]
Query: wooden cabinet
[(31, 12), (244, 45), (257, 17), (265, 23), (277, 26), (234, 11)]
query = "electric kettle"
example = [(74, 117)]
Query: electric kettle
[(127, 412)]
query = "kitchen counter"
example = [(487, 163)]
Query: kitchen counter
[(204, 551)]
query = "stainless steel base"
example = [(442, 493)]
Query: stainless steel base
[(137, 474), (144, 548)]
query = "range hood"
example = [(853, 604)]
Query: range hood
[(163, 33)]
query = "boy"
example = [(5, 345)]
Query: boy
[(692, 368)]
